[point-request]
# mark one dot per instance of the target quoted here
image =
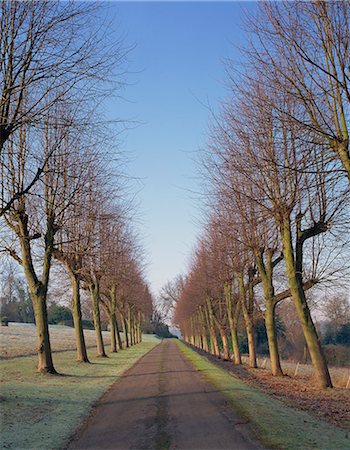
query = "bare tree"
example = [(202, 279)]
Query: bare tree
[(169, 295), (301, 50), (36, 219), (50, 52)]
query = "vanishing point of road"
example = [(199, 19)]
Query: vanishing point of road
[(162, 403)]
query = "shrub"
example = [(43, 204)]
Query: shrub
[(4, 322), (337, 355)]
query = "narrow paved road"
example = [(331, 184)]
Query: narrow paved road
[(163, 403)]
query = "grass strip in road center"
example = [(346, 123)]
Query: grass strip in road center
[(276, 424), (42, 411)]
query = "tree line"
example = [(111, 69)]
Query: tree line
[(276, 191), (63, 196)]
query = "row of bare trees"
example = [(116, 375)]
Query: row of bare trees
[(61, 197), (278, 193)]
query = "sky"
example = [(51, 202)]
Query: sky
[(175, 70)]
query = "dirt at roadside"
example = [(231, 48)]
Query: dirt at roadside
[(332, 405)]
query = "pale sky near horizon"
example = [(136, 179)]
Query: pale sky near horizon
[(176, 68)]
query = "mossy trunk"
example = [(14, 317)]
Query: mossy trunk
[(302, 308), (343, 151), (200, 340), (205, 343), (112, 319), (234, 335), (77, 319), (270, 324), (212, 331), (139, 331), (226, 353), (45, 362), (203, 322), (248, 323), (112, 329), (129, 321), (125, 332), (119, 339), (95, 296), (266, 273), (233, 320), (136, 339), (134, 331), (38, 292)]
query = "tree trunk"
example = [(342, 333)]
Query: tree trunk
[(117, 329), (266, 273), (78, 325), (233, 320), (135, 331), (125, 332), (234, 336), (300, 302), (38, 292), (343, 151), (131, 342), (139, 327), (276, 368), (95, 296), (226, 353), (203, 329), (248, 323), (112, 329), (111, 310), (213, 338), (45, 363)]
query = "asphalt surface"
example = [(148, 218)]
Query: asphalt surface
[(162, 403)]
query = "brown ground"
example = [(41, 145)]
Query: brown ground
[(164, 403), (332, 405)]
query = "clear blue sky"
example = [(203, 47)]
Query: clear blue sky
[(178, 65)]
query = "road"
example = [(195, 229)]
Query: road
[(161, 403)]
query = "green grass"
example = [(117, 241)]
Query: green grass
[(276, 424), (42, 411)]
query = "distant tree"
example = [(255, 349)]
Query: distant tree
[(25, 305), (169, 296), (16, 304), (58, 313), (158, 326), (336, 308), (343, 335)]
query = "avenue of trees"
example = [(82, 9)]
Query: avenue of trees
[(277, 171), (62, 196)]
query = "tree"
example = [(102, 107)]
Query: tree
[(58, 313), (169, 295), (301, 51), (50, 52), (33, 218), (15, 298), (56, 68)]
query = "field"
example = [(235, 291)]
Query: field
[(19, 339), (42, 411)]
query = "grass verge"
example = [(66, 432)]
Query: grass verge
[(42, 411), (276, 424)]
